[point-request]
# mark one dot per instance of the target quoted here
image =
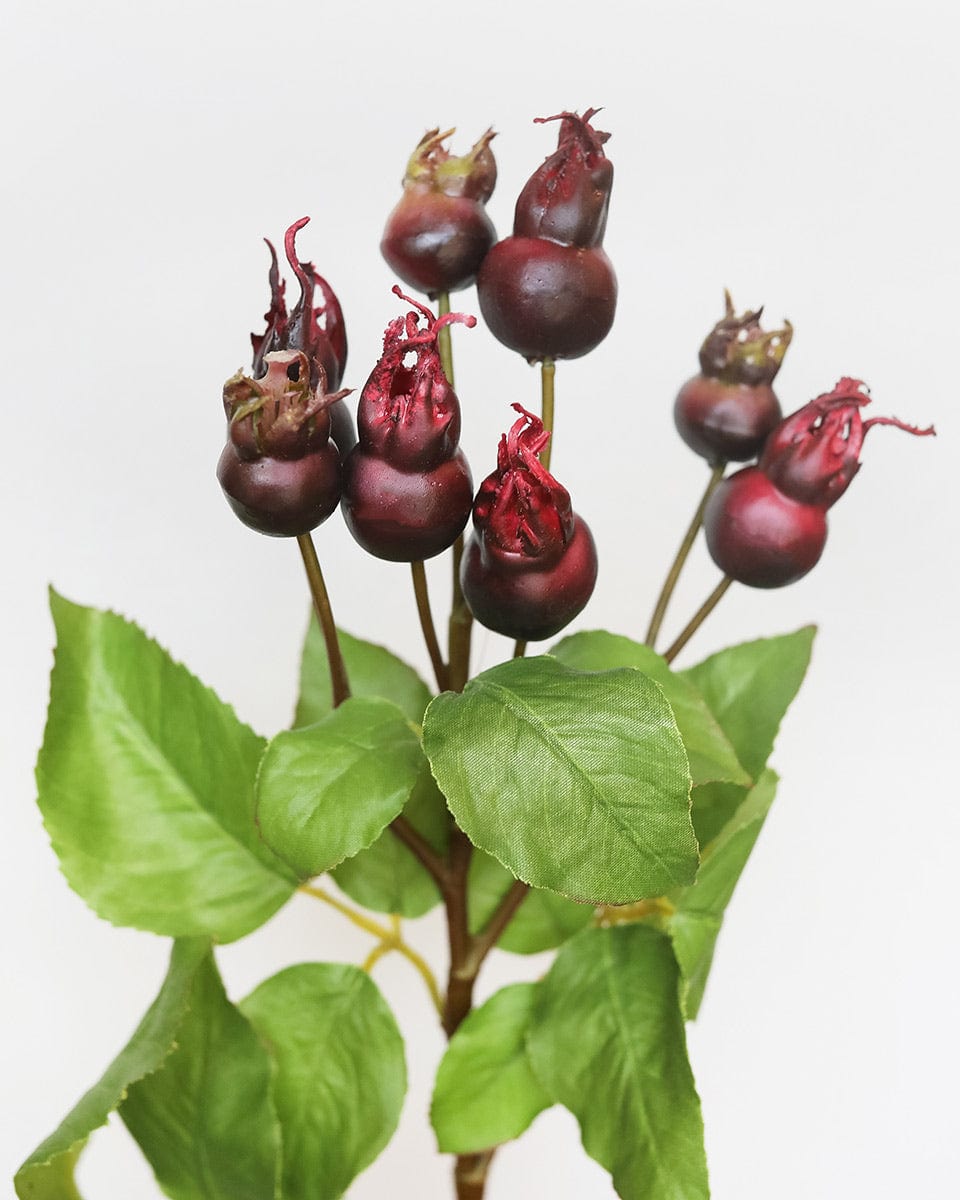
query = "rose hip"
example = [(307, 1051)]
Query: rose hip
[(725, 413)]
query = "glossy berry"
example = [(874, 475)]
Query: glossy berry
[(315, 328), (766, 526), (550, 291), (279, 470), (725, 413), (407, 488), (530, 565), (438, 234)]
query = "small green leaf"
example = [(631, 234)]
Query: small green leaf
[(146, 787), (543, 921), (695, 925), (329, 790), (486, 1092), (576, 781), (749, 689), (372, 670), (204, 1121), (710, 753), (607, 1041), (48, 1172), (387, 877), (340, 1073)]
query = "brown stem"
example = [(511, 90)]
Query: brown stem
[(339, 683), (519, 648), (488, 937), (698, 618), (470, 1174), (460, 979), (426, 624), (420, 848), (685, 547), (460, 629)]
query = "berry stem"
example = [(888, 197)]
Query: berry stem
[(519, 648), (548, 371), (426, 624), (444, 340), (339, 684), (698, 618), (678, 563)]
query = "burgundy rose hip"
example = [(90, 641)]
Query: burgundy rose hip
[(438, 234), (766, 526), (550, 291), (726, 411), (530, 565), (407, 488)]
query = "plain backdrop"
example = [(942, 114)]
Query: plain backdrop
[(802, 155)]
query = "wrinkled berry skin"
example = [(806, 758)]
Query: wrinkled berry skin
[(726, 412), (530, 565), (407, 488), (759, 536), (550, 291), (439, 233), (516, 596)]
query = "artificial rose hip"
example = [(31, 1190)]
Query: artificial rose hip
[(725, 413), (550, 291), (279, 469), (316, 329), (766, 526), (407, 488), (530, 565), (438, 234)]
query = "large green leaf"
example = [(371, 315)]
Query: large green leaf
[(486, 1091), (48, 1172), (205, 1121), (373, 671), (340, 1073), (607, 1041), (543, 921), (387, 877), (695, 923), (329, 790), (749, 689), (710, 753), (577, 781), (146, 787)]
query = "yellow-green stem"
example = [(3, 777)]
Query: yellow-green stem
[(548, 370), (339, 684), (698, 618)]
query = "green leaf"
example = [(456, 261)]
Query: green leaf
[(607, 1041), (340, 1073), (372, 670), (749, 689), (329, 790), (387, 877), (205, 1121), (48, 1172), (576, 781), (695, 925), (543, 921), (486, 1092), (146, 787), (710, 753)]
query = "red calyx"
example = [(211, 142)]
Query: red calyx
[(814, 454)]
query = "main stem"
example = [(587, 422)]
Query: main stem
[(339, 684), (682, 554)]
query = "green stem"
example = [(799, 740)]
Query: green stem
[(548, 370), (698, 618), (339, 683), (444, 342), (678, 563), (426, 624)]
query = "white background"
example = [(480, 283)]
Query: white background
[(802, 155)]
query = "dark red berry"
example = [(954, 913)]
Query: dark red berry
[(759, 536), (766, 525), (530, 565), (407, 488), (438, 234), (550, 291), (725, 413), (279, 469)]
